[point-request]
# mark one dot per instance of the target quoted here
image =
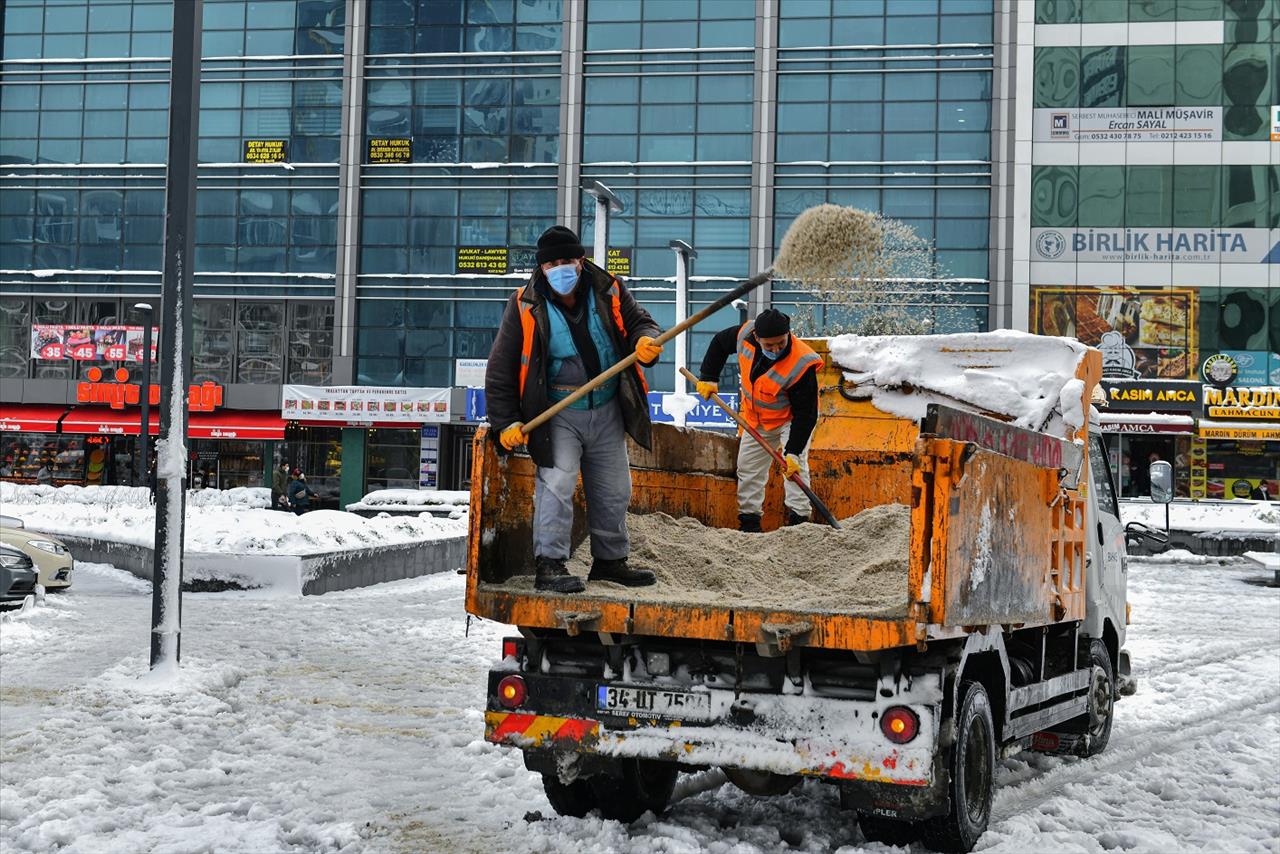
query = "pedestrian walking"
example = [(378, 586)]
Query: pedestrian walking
[(300, 494)]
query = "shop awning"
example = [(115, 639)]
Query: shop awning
[(95, 420), (30, 418), (1147, 422), (235, 425), (1208, 429)]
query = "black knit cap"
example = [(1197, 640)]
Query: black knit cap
[(559, 242), (772, 323)]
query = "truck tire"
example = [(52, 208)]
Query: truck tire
[(971, 764), (575, 799), (642, 785), (1095, 725), (887, 830)]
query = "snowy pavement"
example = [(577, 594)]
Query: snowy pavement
[(352, 722)]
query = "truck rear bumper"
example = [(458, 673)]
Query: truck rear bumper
[(838, 739)]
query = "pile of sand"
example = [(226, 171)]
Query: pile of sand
[(859, 569)]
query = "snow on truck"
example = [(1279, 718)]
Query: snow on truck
[(998, 626)]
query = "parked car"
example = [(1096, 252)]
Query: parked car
[(51, 557), (17, 577)]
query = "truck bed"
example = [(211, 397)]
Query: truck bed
[(965, 562)]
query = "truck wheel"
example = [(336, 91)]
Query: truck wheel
[(1096, 723), (575, 799), (642, 785), (971, 766), (887, 830)]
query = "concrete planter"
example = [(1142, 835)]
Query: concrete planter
[(308, 575)]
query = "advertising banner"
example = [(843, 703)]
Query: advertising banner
[(383, 150), (266, 150), (59, 342), (1127, 124), (1143, 333), (1155, 245), (1152, 395), (469, 373), (365, 403), (429, 458), (1261, 403)]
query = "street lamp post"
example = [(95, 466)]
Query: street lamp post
[(684, 256), (175, 344), (606, 203), (144, 437)]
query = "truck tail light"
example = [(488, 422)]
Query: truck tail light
[(509, 648), (899, 724), (512, 692)]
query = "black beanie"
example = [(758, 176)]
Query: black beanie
[(772, 323), (559, 242)]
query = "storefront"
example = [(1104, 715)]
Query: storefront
[(1236, 452), (98, 445), (1148, 420)]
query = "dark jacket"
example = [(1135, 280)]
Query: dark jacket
[(503, 401), (300, 494), (279, 482)]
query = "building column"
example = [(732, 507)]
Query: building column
[(1004, 100), (569, 172), (351, 481), (763, 147), (352, 155)]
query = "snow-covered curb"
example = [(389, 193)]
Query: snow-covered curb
[(442, 502), (128, 496), (1262, 516)]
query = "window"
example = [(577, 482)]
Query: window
[(1101, 475)]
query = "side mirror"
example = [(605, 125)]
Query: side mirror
[(1161, 474)]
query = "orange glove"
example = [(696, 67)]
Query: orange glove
[(793, 465), (707, 389), (513, 437), (647, 349)]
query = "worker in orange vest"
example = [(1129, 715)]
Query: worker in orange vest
[(778, 378), (570, 322)]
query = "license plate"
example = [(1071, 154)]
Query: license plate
[(653, 703)]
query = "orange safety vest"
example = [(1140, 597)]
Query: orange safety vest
[(529, 331), (764, 403)]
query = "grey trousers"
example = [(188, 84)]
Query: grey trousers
[(754, 463), (593, 441)]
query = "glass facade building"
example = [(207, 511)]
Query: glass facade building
[(1149, 222), (419, 147)]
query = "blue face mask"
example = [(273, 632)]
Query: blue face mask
[(770, 355), (563, 278)]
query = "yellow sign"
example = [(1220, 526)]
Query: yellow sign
[(482, 259), (1261, 402), (382, 150), (1256, 433), (266, 150), (617, 261)]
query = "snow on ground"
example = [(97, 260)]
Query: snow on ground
[(352, 722), (1205, 515), (130, 496), (224, 528)]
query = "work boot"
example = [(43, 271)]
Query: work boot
[(553, 577), (794, 518), (749, 523), (618, 572)]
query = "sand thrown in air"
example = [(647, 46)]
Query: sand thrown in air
[(859, 569), (828, 242)]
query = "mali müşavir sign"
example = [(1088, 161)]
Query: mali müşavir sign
[(205, 397), (1260, 402)]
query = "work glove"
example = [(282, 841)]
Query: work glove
[(792, 465), (647, 349), (513, 437), (706, 389)]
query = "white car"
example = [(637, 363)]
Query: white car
[(51, 557)]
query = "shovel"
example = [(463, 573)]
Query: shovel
[(773, 452), (609, 373)]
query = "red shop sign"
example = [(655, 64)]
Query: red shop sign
[(205, 397)]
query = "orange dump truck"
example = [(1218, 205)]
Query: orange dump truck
[(1009, 633)]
